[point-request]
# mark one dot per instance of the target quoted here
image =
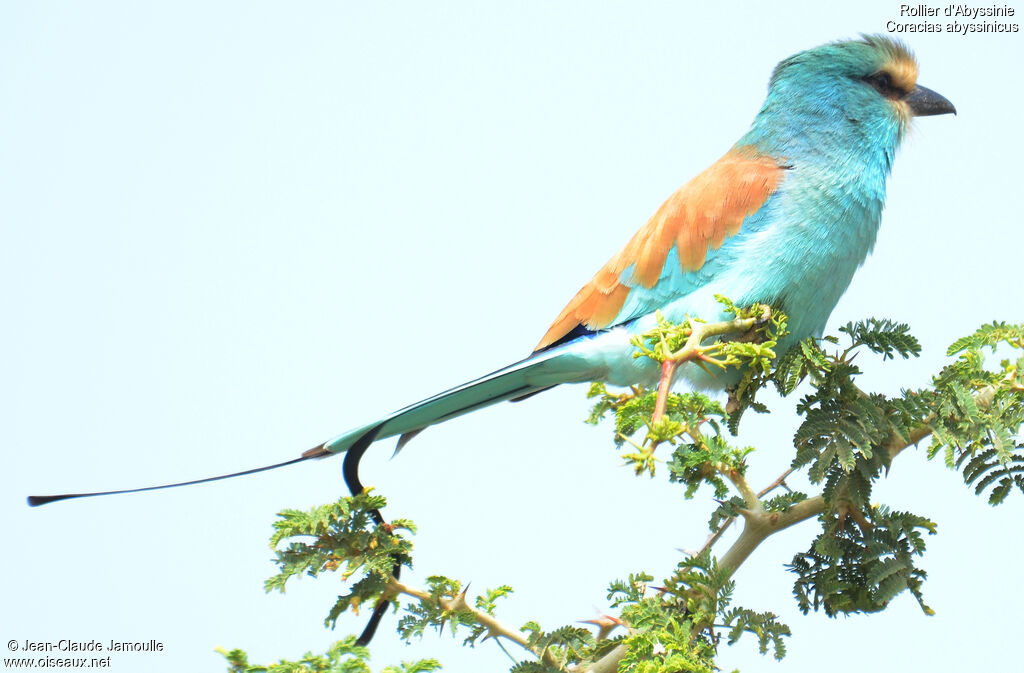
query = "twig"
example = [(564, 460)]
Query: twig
[(668, 370), (694, 350), (781, 481), (507, 653), (717, 535), (495, 628)]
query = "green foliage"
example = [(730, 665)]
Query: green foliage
[(630, 591), (568, 646), (861, 558), (726, 511), (843, 426), (562, 647), (991, 336), (606, 401), (754, 356), (633, 411), (343, 657), (865, 555), (860, 563), (342, 534), (755, 332), (764, 625), (447, 606), (838, 428), (684, 417), (699, 588), (847, 438), (533, 667), (667, 645), (978, 412), (488, 602), (691, 422), (884, 337), (709, 459), (782, 503), (439, 610), (679, 628), (420, 666)]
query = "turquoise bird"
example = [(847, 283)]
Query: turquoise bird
[(784, 218)]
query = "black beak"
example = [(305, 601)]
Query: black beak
[(924, 102)]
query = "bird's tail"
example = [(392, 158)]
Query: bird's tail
[(526, 377), (521, 379), (538, 372)]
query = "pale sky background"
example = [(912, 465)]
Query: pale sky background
[(233, 230)]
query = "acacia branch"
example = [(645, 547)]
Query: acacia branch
[(495, 628), (609, 663), (694, 349), (750, 498), (759, 525), (717, 535), (763, 524)]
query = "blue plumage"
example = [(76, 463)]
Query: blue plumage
[(785, 218)]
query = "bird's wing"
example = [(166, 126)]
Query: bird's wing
[(693, 223)]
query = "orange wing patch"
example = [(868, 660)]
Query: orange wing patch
[(698, 217)]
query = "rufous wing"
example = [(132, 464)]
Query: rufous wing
[(697, 218)]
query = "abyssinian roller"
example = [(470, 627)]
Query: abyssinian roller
[(784, 218)]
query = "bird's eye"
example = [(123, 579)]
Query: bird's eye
[(883, 84)]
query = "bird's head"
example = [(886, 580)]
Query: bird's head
[(863, 91)]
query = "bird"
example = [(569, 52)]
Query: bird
[(785, 218)]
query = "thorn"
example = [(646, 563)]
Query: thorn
[(605, 623), (459, 602)]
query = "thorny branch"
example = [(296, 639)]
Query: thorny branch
[(694, 350), (495, 628), (714, 537), (760, 524)]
